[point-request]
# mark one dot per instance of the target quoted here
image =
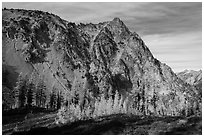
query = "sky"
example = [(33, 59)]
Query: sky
[(172, 31)]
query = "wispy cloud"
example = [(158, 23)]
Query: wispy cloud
[(183, 50), (172, 31)]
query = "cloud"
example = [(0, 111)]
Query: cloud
[(182, 50), (79, 11), (172, 31), (167, 17)]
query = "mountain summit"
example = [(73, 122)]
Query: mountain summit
[(86, 61)]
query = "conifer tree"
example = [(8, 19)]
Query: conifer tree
[(53, 99), (30, 92), (116, 103), (40, 93), (17, 90), (20, 91), (143, 100), (59, 100), (154, 99), (8, 98)]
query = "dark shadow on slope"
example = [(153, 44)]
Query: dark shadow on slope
[(192, 127), (103, 125), (122, 124), (9, 76), (18, 115)]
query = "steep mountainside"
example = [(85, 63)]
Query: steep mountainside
[(87, 60)]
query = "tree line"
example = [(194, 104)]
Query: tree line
[(30, 92)]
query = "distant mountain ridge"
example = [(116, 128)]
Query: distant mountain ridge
[(192, 77), (91, 58)]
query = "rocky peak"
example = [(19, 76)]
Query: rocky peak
[(118, 21), (118, 29)]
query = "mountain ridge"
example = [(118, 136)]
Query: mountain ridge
[(90, 58)]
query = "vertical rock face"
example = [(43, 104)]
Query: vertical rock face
[(97, 58)]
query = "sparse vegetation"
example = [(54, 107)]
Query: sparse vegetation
[(102, 107)]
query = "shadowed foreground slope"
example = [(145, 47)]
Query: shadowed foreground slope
[(123, 124)]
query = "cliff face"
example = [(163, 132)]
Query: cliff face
[(89, 58)]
